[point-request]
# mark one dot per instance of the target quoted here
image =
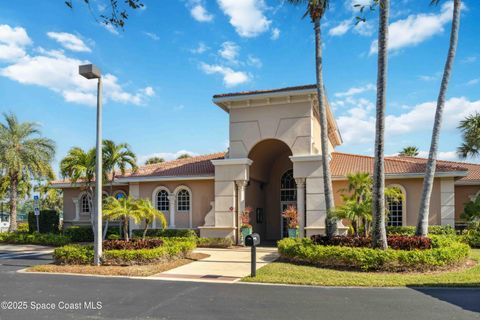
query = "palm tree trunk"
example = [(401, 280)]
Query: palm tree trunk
[(91, 207), (125, 229), (379, 233), (422, 223), (105, 229), (13, 202), (145, 230), (331, 223)]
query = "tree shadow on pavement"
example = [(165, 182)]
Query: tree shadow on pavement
[(465, 298)]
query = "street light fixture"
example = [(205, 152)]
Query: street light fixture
[(90, 71)]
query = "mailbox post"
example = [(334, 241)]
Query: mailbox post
[(253, 240)]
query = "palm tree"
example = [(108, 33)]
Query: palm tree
[(149, 213), (124, 209), (79, 167), (410, 151), (422, 223), (360, 189), (154, 160), (470, 128), (316, 9), (116, 157), (24, 155), (379, 232)]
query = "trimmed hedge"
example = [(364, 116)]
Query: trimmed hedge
[(214, 242), (83, 254), (85, 233), (472, 234), (165, 233), (432, 230), (397, 242), (446, 251), (46, 239), (48, 221)]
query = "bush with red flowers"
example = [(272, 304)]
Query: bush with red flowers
[(133, 244), (397, 242)]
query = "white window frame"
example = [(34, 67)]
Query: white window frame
[(404, 201), (190, 202)]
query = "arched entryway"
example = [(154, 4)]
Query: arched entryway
[(271, 187)]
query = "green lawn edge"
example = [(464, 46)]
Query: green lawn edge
[(287, 273)]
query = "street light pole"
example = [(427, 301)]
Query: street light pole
[(90, 71)]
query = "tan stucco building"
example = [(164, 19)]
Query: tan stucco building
[(274, 160)]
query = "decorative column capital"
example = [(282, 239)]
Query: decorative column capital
[(300, 182), (241, 183), (171, 197)]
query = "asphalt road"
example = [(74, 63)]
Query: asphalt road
[(121, 298)]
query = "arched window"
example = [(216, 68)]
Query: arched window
[(396, 208), (183, 200), (162, 202), (288, 187), (84, 207)]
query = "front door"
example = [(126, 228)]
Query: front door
[(288, 197)]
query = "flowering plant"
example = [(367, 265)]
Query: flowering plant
[(245, 217), (291, 215)]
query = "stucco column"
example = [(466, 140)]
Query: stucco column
[(241, 185), (77, 208), (301, 205), (171, 210)]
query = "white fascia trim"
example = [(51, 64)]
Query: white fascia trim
[(414, 175), (166, 178), (467, 183), (309, 157), (264, 95), (229, 162), (77, 185)]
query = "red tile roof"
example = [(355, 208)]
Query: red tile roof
[(345, 163), (341, 165), (193, 166)]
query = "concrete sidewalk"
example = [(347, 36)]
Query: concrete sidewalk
[(223, 265)]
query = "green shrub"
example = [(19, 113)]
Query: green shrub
[(214, 242), (446, 251), (48, 221), (167, 233), (85, 233), (23, 227), (173, 248), (46, 239), (410, 230), (472, 235), (73, 254)]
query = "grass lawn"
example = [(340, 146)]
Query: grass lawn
[(281, 272), (131, 271)]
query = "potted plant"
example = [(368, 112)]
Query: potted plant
[(245, 227), (291, 215)]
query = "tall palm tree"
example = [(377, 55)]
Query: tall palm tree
[(116, 157), (79, 167), (422, 223), (470, 128), (145, 209), (124, 209), (316, 10), (24, 155), (409, 151), (379, 232)]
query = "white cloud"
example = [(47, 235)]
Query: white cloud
[(199, 12), (69, 41), (165, 155), (358, 126), (428, 78), (229, 51), (364, 28), (254, 61), (442, 155), (470, 59), (356, 90), (415, 29), (275, 34), (341, 28), (230, 77), (13, 42), (201, 48), (152, 35), (350, 4), (59, 73), (110, 28), (473, 82), (246, 16)]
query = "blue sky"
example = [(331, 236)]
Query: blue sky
[(162, 70)]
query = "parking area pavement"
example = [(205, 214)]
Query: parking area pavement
[(15, 251)]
